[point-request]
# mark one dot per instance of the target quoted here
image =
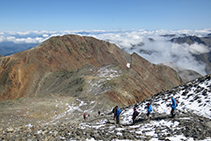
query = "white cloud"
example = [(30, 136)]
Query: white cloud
[(1, 38), (21, 40), (10, 38), (29, 40), (24, 33), (45, 35), (161, 50), (197, 48)]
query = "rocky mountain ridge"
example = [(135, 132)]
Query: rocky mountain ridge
[(70, 65)]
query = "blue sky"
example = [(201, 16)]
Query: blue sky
[(55, 15)]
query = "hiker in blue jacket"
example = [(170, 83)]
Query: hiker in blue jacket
[(118, 111), (149, 109), (173, 106)]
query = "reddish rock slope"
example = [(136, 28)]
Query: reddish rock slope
[(21, 74)]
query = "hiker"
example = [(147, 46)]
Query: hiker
[(173, 106), (118, 111), (98, 113), (85, 116), (135, 114), (114, 111), (149, 109)]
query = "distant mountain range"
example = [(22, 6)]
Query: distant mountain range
[(9, 48), (193, 39)]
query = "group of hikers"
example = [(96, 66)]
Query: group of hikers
[(117, 111)]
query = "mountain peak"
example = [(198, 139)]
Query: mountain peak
[(72, 61)]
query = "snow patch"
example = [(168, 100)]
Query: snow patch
[(128, 65)]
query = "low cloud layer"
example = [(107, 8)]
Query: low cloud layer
[(148, 44)]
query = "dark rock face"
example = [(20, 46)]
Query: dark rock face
[(189, 40), (73, 60)]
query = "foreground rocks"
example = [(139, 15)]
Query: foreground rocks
[(162, 128)]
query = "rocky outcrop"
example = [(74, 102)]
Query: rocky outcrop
[(73, 61)]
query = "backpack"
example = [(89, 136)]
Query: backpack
[(136, 113), (176, 103), (118, 111)]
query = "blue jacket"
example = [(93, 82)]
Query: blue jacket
[(174, 104), (149, 109), (118, 111)]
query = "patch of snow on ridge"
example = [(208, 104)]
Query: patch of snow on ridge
[(107, 72), (179, 138), (149, 129), (128, 65), (29, 125), (197, 100), (98, 84), (194, 97)]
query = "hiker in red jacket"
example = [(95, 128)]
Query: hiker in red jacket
[(85, 116)]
